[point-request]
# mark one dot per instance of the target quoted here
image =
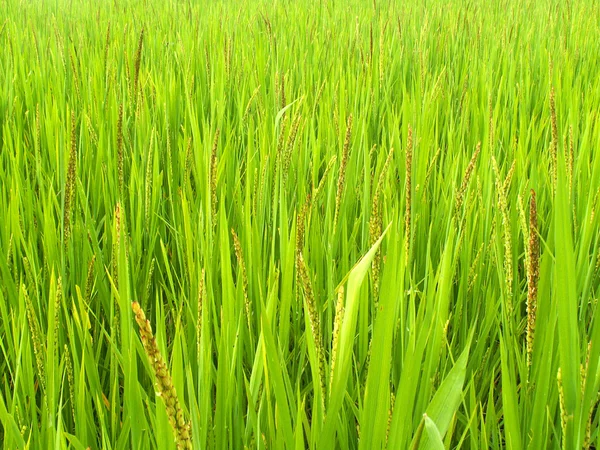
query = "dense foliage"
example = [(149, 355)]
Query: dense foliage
[(312, 224)]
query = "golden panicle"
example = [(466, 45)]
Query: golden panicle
[(342, 172), (408, 196), (213, 180), (554, 142), (313, 317), (71, 180), (460, 195), (533, 264), (243, 274), (164, 384), (503, 205), (38, 347)]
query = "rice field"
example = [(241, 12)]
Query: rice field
[(299, 225)]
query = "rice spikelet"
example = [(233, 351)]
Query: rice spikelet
[(201, 300), (249, 104), (313, 317), (213, 180), (106, 47), (188, 164), (70, 184), (342, 172), (71, 380), (570, 161), (317, 192), (376, 226), (563, 409), (460, 195), (137, 63), (36, 338), (148, 183), (554, 142), (408, 196), (287, 155), (89, 281), (242, 268), (491, 128), (57, 303), (503, 205), (120, 151), (337, 326), (533, 264)]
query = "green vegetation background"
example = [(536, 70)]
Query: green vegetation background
[(232, 166)]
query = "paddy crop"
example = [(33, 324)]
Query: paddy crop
[(308, 224)]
